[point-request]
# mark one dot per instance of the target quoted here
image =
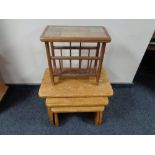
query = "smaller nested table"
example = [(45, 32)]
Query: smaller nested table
[(75, 95)]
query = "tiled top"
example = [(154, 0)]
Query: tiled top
[(75, 33)]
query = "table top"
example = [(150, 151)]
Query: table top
[(86, 87), (75, 34)]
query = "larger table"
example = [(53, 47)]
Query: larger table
[(75, 95)]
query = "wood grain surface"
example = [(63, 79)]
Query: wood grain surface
[(74, 102), (75, 87), (76, 109)]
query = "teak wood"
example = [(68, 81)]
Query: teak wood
[(50, 114), (75, 95), (75, 102), (56, 119), (81, 34), (76, 109), (75, 87)]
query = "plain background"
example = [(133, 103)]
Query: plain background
[(23, 59)]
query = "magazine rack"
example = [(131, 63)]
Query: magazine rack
[(75, 61)]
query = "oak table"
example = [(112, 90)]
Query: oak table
[(75, 95)]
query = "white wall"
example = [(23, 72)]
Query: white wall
[(23, 59)]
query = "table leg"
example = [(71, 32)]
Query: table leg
[(56, 119), (100, 117), (50, 115), (97, 117)]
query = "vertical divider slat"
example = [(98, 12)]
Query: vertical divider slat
[(100, 62), (53, 54), (97, 54), (49, 61), (80, 56), (60, 65), (70, 56), (90, 65), (61, 60), (88, 59)]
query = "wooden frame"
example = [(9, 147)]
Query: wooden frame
[(98, 35)]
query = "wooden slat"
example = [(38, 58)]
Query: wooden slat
[(53, 54), (100, 62), (80, 56), (88, 59), (49, 62), (75, 58), (74, 71), (76, 109), (74, 102), (90, 66), (61, 59), (70, 56), (60, 65), (75, 47), (77, 75), (97, 53)]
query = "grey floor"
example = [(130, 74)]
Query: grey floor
[(131, 111)]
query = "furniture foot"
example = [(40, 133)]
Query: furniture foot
[(56, 119), (50, 115), (100, 117), (97, 117)]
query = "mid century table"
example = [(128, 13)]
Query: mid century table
[(75, 95), (69, 88)]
